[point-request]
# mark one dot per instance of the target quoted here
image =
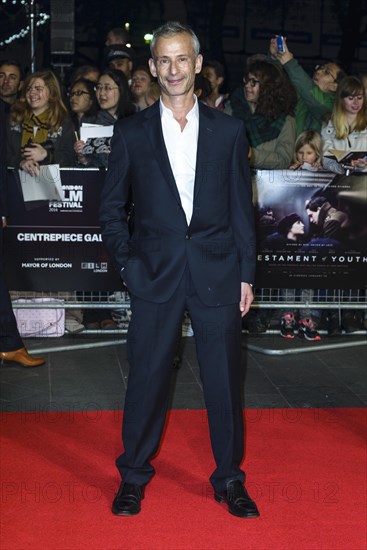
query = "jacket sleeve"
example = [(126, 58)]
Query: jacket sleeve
[(63, 153), (13, 145), (3, 208), (317, 102), (242, 209), (328, 138), (114, 201), (277, 153)]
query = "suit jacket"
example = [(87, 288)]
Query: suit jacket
[(3, 208), (219, 244)]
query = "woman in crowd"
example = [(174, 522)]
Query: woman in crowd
[(347, 127), (266, 104), (40, 130), (140, 83), (83, 102), (113, 97), (11, 344)]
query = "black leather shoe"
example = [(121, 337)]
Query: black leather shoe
[(128, 499), (238, 500)]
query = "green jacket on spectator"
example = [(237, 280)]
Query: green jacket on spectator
[(313, 104)]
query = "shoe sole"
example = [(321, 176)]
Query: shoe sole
[(303, 335), (117, 512), (221, 500)]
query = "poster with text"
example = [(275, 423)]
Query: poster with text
[(311, 229), (57, 245)]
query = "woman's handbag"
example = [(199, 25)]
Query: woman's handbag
[(40, 322)]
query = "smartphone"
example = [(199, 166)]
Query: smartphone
[(280, 44)]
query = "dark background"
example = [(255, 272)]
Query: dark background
[(229, 30)]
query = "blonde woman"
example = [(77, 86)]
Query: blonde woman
[(39, 130), (347, 127)]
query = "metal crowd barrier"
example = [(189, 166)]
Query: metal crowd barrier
[(265, 299), (59, 243)]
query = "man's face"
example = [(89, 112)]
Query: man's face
[(314, 216), (325, 77), (112, 39), (122, 64), (211, 75), (10, 82), (174, 65)]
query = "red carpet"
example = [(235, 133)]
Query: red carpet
[(306, 469)]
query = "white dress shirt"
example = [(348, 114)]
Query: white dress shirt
[(181, 147)]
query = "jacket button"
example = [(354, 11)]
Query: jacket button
[(188, 237)]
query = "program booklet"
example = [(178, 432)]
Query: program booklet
[(346, 157)]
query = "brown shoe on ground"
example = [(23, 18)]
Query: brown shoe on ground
[(22, 357)]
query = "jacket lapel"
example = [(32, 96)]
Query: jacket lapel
[(153, 127), (205, 145)]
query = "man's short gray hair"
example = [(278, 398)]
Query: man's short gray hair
[(172, 28)]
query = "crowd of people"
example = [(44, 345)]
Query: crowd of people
[(292, 120)]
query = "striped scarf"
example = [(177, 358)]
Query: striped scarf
[(39, 122), (258, 128)]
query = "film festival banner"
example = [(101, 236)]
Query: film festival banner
[(56, 245), (311, 229)]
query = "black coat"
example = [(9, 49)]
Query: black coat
[(62, 152), (218, 245)]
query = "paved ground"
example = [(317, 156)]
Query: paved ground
[(95, 377)]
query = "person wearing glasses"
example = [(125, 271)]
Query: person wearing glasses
[(113, 97), (40, 130), (83, 102), (266, 104), (316, 94)]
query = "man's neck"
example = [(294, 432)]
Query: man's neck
[(180, 106)]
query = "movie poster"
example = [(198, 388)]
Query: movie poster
[(311, 229), (57, 245), (311, 233)]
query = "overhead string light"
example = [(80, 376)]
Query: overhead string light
[(43, 18), (14, 2)]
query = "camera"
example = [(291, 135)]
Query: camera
[(280, 44)]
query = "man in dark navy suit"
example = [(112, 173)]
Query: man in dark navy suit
[(192, 247), (11, 345)]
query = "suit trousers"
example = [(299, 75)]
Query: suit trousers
[(153, 337), (10, 339)]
